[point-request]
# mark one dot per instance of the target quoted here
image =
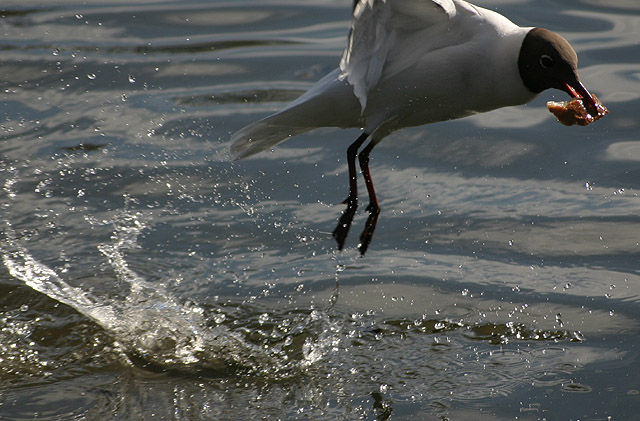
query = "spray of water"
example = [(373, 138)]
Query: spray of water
[(150, 324)]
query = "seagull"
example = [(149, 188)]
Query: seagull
[(414, 62)]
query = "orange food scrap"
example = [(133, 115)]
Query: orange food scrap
[(574, 112)]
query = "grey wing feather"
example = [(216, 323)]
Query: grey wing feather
[(373, 34)]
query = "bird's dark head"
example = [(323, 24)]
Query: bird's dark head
[(547, 60)]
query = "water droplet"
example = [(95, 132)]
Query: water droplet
[(578, 336), (24, 307), (91, 76), (559, 320), (132, 79)]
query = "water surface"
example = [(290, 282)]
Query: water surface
[(145, 276)]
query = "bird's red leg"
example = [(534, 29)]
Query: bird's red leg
[(374, 206), (342, 229)]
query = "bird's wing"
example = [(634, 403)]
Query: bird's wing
[(374, 31)]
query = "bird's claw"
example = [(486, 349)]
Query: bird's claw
[(369, 228), (344, 224)]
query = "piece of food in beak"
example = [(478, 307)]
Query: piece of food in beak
[(574, 111)]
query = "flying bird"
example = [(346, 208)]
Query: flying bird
[(413, 62)]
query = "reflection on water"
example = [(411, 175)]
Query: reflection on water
[(146, 276)]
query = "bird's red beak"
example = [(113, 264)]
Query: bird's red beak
[(577, 90)]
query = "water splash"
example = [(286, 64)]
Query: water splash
[(150, 324)]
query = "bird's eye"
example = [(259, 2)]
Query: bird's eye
[(546, 61)]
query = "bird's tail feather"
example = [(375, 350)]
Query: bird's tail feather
[(329, 103), (262, 135)]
